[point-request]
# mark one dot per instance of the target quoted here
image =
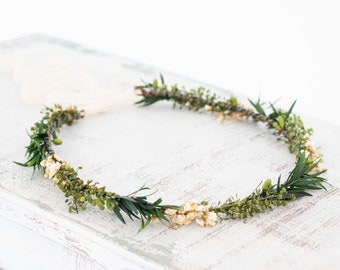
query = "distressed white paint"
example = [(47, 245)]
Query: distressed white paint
[(183, 155)]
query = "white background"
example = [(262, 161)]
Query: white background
[(273, 49)]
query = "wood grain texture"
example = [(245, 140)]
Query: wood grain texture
[(183, 155)]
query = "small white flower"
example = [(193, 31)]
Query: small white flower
[(170, 212), (52, 170), (307, 137), (200, 208), (208, 108), (310, 146), (211, 219), (200, 222), (220, 118), (191, 211), (43, 163), (189, 206), (56, 157), (191, 216), (180, 219), (52, 166)]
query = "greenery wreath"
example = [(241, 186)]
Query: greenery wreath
[(305, 177)]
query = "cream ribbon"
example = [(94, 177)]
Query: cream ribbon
[(59, 82)]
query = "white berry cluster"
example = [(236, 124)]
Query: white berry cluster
[(191, 211), (52, 165)]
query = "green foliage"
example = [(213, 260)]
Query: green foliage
[(258, 106), (195, 99), (39, 147), (78, 193), (300, 180), (304, 178), (257, 202), (285, 124)]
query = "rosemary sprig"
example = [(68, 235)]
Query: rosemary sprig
[(40, 146), (304, 177)]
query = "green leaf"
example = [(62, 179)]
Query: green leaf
[(128, 198), (158, 201), (131, 206), (278, 185), (122, 205), (40, 129), (267, 185), (162, 79), (258, 106), (281, 121), (20, 164), (155, 84), (290, 110), (144, 224), (276, 126), (233, 101), (118, 214), (299, 179), (275, 113), (161, 215)]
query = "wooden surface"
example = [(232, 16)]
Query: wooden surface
[(183, 155)]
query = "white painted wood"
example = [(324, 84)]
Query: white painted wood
[(183, 155)]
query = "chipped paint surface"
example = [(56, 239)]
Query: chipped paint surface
[(183, 155)]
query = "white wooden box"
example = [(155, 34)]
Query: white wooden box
[(184, 155)]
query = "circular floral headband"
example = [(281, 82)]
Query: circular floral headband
[(305, 177)]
